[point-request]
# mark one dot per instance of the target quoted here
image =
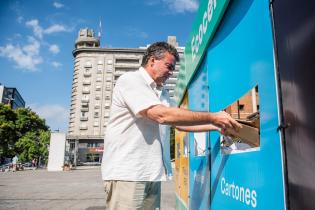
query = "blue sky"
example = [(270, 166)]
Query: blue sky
[(37, 40)]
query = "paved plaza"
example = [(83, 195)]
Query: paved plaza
[(75, 190)]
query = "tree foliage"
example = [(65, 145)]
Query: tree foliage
[(27, 120), (24, 133), (7, 130)]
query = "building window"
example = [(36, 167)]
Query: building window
[(86, 90), (241, 107), (84, 116), (88, 64), (72, 145), (85, 105), (108, 78), (93, 157), (97, 87), (87, 73), (86, 82), (93, 144), (85, 98), (108, 87), (83, 127), (99, 68), (127, 60), (96, 124)]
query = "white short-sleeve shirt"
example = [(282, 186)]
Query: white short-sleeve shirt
[(132, 144)]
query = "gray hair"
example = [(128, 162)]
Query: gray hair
[(157, 50)]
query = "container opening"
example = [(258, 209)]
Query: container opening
[(245, 110)]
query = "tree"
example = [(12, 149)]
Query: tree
[(8, 135), (27, 120), (33, 145), (24, 133), (44, 146), (33, 136)]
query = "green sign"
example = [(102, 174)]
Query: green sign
[(208, 18)]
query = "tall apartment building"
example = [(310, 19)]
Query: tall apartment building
[(95, 73), (11, 96)]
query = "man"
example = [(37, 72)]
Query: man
[(132, 167)]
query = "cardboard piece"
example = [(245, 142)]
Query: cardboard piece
[(247, 134)]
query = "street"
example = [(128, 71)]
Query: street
[(75, 190)]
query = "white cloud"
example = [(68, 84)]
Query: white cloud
[(56, 28), (58, 5), (55, 115), (182, 6), (39, 31), (32, 48), (56, 64), (26, 57), (54, 49)]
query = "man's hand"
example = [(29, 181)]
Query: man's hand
[(224, 121)]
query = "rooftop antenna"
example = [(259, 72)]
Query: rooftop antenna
[(100, 31)]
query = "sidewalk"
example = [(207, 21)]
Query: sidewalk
[(73, 190)]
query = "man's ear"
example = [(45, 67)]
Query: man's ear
[(151, 61)]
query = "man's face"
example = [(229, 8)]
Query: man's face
[(163, 68)]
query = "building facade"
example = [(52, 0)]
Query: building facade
[(11, 96), (95, 73)]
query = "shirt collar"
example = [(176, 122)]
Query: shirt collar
[(147, 78)]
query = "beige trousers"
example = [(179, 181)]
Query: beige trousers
[(125, 195)]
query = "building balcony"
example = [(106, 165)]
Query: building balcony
[(86, 82), (171, 80), (87, 74), (83, 118), (83, 127), (85, 100), (85, 104), (88, 64), (84, 109)]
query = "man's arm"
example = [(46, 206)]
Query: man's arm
[(182, 117), (198, 128)]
